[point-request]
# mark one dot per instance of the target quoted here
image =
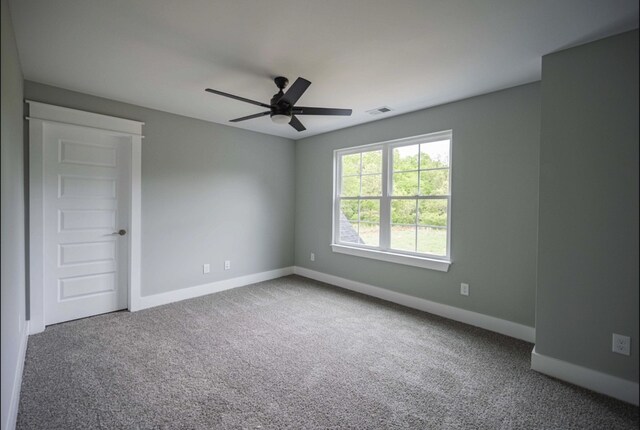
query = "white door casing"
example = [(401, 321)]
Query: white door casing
[(84, 185)]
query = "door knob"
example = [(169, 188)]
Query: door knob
[(121, 232)]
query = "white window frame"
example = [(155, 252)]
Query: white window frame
[(383, 251)]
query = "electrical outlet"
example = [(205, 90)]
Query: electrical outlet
[(227, 264), (464, 289), (312, 257), (621, 344), (206, 268)]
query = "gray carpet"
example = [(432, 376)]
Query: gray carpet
[(294, 353)]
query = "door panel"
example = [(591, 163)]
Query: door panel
[(87, 154), (86, 186), (86, 199), (88, 252), (75, 220)]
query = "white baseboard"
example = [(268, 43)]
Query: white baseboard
[(487, 322), (594, 380), (213, 287), (14, 403)]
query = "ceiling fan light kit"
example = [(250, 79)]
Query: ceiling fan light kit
[(279, 118), (282, 107)]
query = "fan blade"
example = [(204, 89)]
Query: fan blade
[(295, 123), (295, 91), (258, 115), (302, 110), (242, 99)]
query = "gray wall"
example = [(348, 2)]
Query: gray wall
[(494, 204), (209, 193), (588, 252), (12, 235)]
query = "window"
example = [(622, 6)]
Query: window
[(392, 201)]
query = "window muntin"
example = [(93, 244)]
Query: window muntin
[(395, 196)]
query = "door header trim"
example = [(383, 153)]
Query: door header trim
[(64, 115)]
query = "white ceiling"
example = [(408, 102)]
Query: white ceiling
[(359, 54)]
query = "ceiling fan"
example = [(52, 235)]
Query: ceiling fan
[(282, 108)]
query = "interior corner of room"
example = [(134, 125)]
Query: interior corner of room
[(543, 209)]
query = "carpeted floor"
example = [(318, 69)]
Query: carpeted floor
[(298, 354)]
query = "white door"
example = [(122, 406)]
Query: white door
[(86, 215)]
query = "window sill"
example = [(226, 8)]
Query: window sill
[(409, 260)]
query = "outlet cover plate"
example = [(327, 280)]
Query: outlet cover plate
[(621, 344), (464, 289)]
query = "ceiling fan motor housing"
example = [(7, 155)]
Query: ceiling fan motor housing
[(282, 108)]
